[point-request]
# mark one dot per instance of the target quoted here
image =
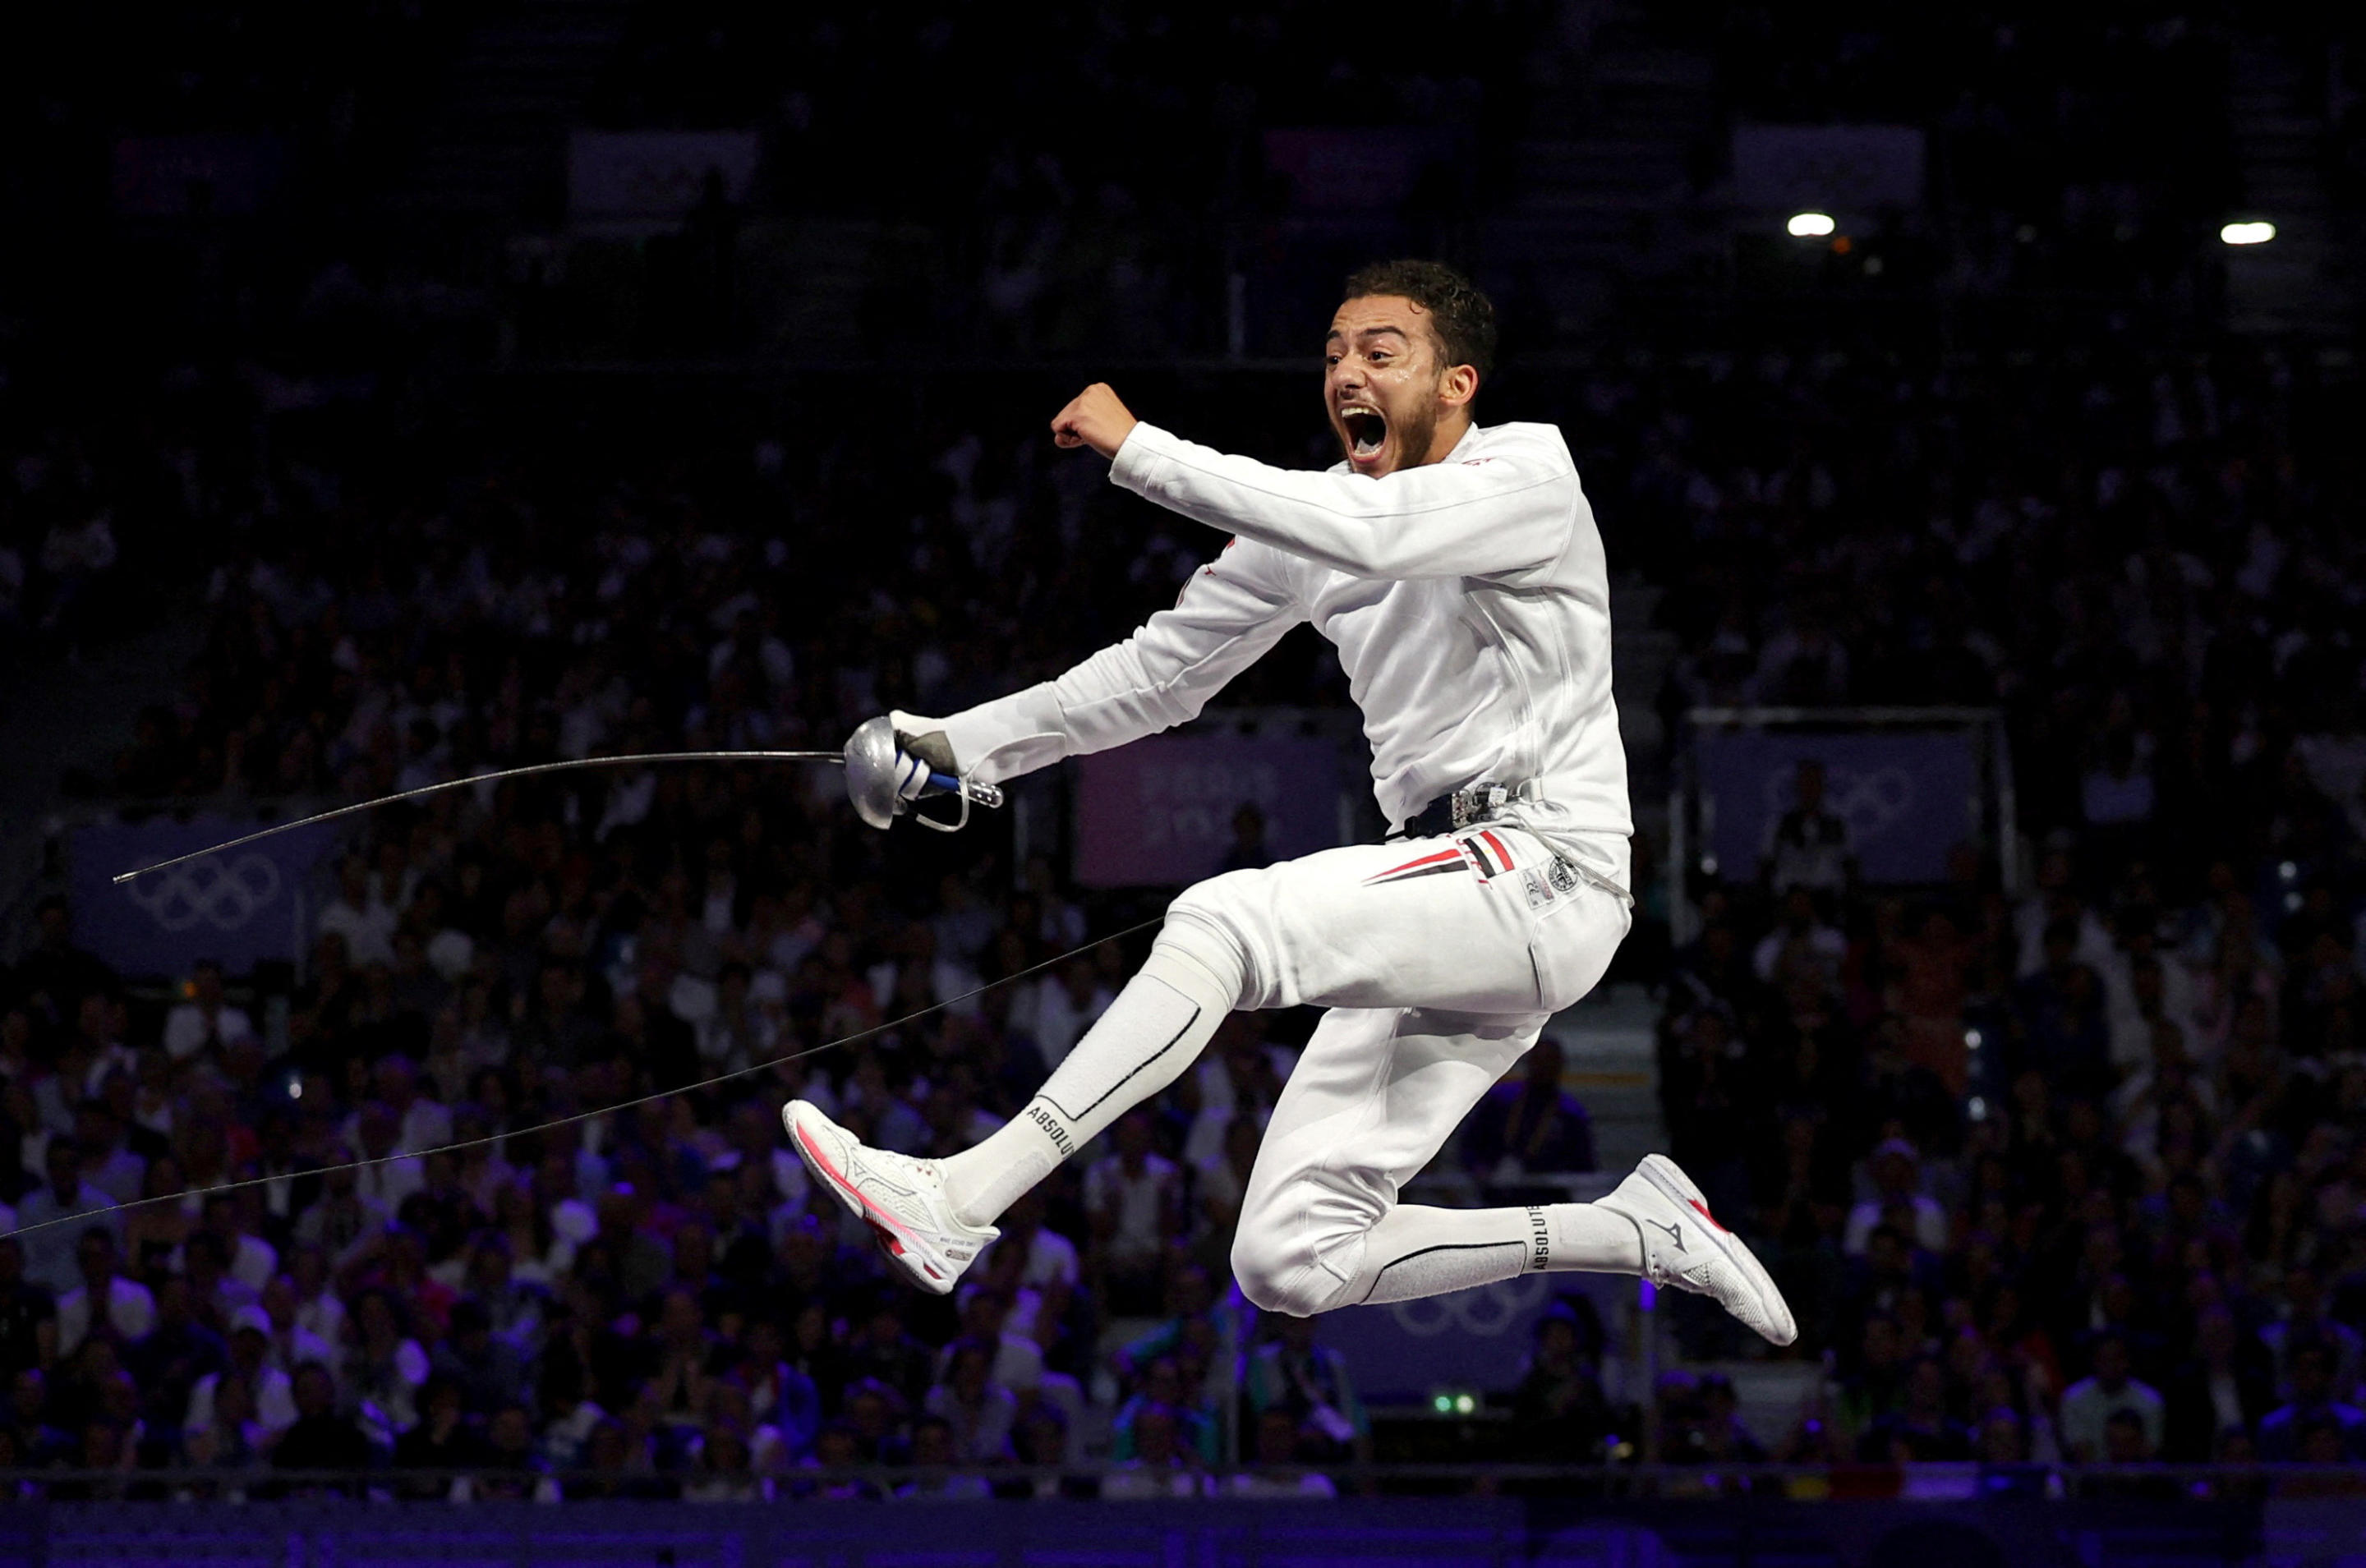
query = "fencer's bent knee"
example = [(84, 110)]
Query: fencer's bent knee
[(1198, 953), (1272, 1282), (1302, 1264)]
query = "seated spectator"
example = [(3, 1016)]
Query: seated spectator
[(105, 1299), (877, 1416), (837, 1452), (105, 1445), (980, 1413), (488, 1370), (205, 1020), (2314, 1411), (1557, 1407), (935, 1447), (386, 1368), (178, 1355), (441, 1440), (342, 1220), (1919, 1429), (252, 1260), (615, 1467), (1895, 1168), (1135, 1196), (1018, 1361), (1801, 946), (2090, 1402), (781, 1400), (510, 1468), (1160, 1465), (38, 1442), (2002, 1438), (292, 1344), (321, 1439), (51, 1252), (359, 917), (888, 1352), (1163, 1388), (1289, 1371), (2124, 1441), (722, 1470), (1533, 1124), (29, 1328), (1278, 1472), (233, 1435), (1041, 1439), (108, 1163), (1718, 1436), (271, 1391), (2224, 1384)]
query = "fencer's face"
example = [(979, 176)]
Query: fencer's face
[(1386, 384)]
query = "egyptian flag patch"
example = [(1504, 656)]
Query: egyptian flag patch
[(1438, 864), (1493, 859)]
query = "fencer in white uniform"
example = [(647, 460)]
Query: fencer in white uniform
[(1459, 573)]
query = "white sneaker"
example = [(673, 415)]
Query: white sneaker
[(1685, 1246), (901, 1199)]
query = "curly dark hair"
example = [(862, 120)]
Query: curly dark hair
[(1462, 316)]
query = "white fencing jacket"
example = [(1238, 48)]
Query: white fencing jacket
[(1468, 599)]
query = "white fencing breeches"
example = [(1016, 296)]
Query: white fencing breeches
[(1440, 959)]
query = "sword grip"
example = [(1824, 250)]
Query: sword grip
[(982, 793)]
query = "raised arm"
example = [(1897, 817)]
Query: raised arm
[(1231, 611), (1499, 515)]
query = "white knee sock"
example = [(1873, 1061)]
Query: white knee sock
[(1154, 1031), (1416, 1251)]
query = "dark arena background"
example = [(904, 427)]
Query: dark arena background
[(402, 390)]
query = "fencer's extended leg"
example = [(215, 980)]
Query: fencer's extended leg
[(1369, 1104), (932, 1217), (1372, 1099), (1156, 1028)]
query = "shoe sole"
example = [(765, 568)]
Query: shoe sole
[(1670, 1179), (885, 1230)]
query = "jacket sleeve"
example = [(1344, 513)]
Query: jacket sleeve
[(1231, 611), (1494, 516)]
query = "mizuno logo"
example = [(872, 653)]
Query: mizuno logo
[(1675, 1232)]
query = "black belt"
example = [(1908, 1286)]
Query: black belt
[(1463, 807)]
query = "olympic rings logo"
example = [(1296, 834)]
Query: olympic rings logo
[(1487, 1311), (208, 892), (1870, 801)]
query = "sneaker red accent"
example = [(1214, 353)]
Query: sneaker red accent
[(1702, 1208), (871, 1214)]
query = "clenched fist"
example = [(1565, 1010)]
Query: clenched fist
[(1094, 418)]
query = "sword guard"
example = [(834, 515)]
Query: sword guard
[(871, 772)]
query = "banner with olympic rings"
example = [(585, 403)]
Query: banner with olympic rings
[(247, 905), (1908, 797), (1477, 1340)]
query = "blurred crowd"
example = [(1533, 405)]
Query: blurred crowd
[(651, 1294), (2074, 1170), (2061, 1158)]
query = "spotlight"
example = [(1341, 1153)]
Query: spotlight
[(2258, 233), (1810, 225)]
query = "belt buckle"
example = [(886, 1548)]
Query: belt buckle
[(1477, 803)]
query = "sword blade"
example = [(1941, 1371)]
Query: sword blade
[(527, 772)]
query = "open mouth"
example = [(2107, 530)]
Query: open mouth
[(1367, 429)]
